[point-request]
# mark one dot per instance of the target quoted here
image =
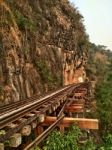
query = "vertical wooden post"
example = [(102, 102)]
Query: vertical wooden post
[(2, 146), (40, 130), (62, 128), (77, 115), (35, 132), (70, 114), (55, 113)]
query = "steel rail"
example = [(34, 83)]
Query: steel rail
[(16, 129), (33, 103), (62, 109), (29, 120), (10, 117), (18, 104), (16, 114)]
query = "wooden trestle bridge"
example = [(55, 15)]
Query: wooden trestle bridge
[(41, 115)]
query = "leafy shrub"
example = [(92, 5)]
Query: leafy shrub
[(104, 105), (89, 145), (26, 51), (45, 72), (23, 22), (54, 141), (67, 141), (107, 143)]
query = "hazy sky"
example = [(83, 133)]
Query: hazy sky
[(98, 20)]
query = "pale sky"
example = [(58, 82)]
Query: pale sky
[(97, 19)]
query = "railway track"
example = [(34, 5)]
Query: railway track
[(19, 104), (35, 106), (10, 116)]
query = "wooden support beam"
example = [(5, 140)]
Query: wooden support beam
[(53, 107), (15, 140), (40, 129), (81, 101), (79, 94), (70, 114), (50, 110), (29, 115), (78, 97), (21, 120), (81, 91), (62, 128), (81, 122), (58, 103), (74, 109), (26, 130), (77, 104), (61, 101), (34, 124), (41, 118), (2, 146), (11, 126)]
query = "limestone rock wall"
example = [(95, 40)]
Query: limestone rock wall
[(34, 36), (73, 69)]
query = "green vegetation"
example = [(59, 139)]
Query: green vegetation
[(99, 62), (104, 104), (88, 145), (104, 110), (107, 142), (67, 141), (70, 141), (26, 51), (37, 148), (23, 22), (99, 69), (60, 25), (46, 73)]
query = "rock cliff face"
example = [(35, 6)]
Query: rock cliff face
[(43, 46)]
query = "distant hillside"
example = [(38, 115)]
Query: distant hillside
[(99, 62)]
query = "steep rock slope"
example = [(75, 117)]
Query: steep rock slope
[(43, 46)]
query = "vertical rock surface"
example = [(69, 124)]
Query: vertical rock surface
[(43, 45)]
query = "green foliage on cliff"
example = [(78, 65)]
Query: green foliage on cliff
[(23, 22), (44, 70), (37, 28), (46, 74)]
